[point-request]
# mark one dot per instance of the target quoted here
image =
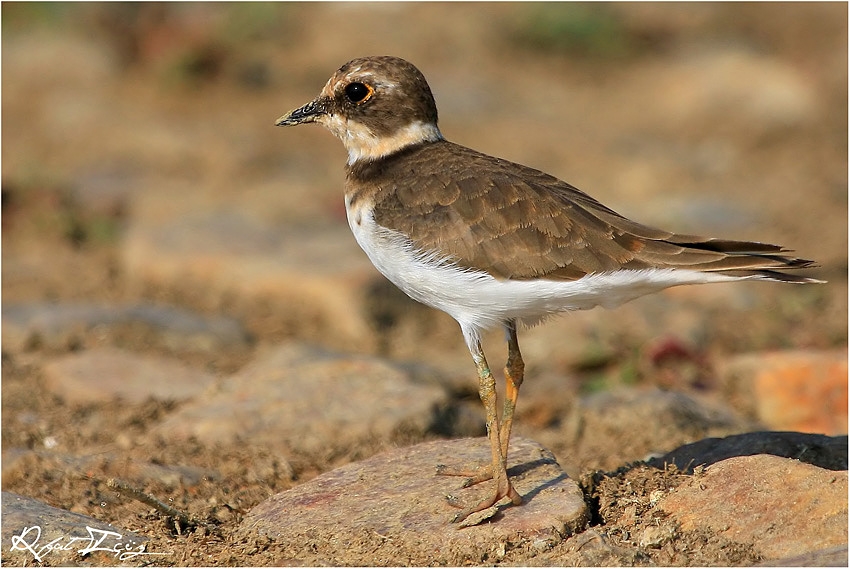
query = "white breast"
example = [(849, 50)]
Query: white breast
[(479, 301)]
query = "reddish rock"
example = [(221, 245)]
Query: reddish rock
[(782, 506), (793, 391), (394, 511), (310, 399), (104, 374)]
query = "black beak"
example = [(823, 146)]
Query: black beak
[(301, 115)]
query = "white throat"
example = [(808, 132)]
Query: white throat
[(363, 144)]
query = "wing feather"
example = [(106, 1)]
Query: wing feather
[(515, 222)]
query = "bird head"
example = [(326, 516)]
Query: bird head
[(375, 106)]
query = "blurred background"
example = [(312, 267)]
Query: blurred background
[(140, 164), (160, 238)]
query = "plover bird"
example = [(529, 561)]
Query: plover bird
[(493, 243)]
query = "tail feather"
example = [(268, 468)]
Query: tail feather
[(746, 259), (771, 275)]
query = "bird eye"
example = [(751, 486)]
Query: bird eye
[(358, 92)]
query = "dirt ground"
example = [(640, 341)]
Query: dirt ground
[(58, 246)]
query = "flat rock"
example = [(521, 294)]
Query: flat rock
[(310, 399), (104, 374), (30, 526), (782, 506), (392, 510), (622, 425), (794, 390), (818, 450), (57, 324), (309, 272)]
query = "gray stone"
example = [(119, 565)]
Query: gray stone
[(393, 508), (51, 324), (56, 324), (830, 557)]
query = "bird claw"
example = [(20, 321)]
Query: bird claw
[(453, 501), (485, 509), (475, 518)]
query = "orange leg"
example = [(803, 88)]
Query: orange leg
[(514, 374), (497, 468)]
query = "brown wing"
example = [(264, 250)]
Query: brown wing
[(519, 223)]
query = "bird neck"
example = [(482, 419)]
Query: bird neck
[(363, 145)]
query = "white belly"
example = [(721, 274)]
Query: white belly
[(479, 301)]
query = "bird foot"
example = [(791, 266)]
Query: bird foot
[(475, 476), (485, 509)]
